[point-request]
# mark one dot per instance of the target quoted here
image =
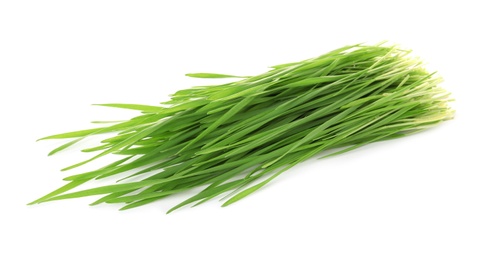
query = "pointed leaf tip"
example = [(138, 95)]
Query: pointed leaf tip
[(212, 76)]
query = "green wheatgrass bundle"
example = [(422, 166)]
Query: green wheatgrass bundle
[(232, 139)]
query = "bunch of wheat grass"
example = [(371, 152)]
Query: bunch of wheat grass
[(235, 138)]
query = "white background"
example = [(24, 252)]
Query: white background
[(413, 198)]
